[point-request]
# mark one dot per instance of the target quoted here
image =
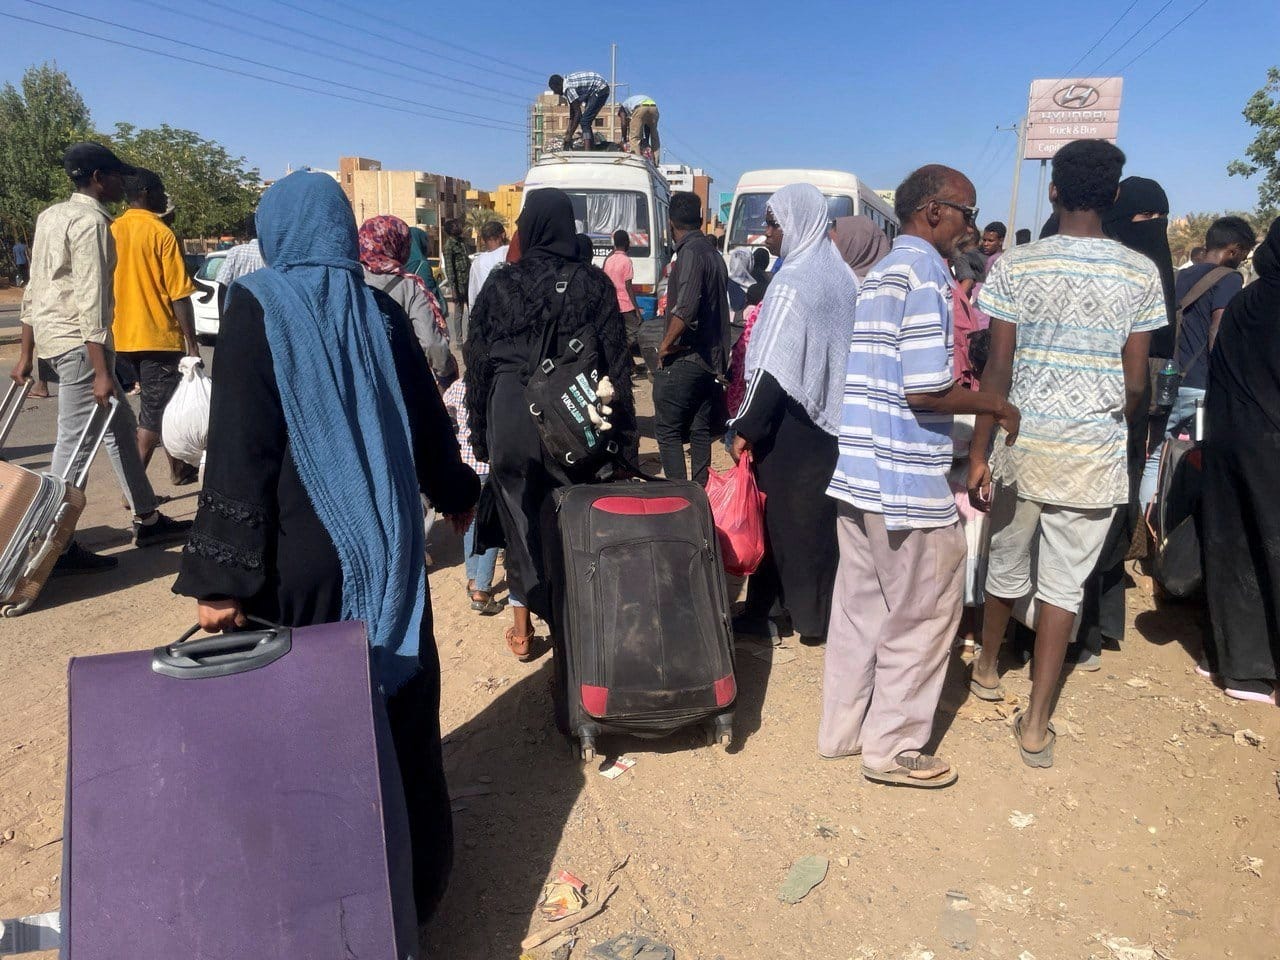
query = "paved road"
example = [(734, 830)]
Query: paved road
[(8, 322)]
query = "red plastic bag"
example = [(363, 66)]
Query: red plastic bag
[(737, 505)]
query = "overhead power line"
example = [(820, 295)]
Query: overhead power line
[(347, 25), (398, 76), (1143, 51), (498, 124), (362, 101), (1146, 23), (1106, 33), (474, 90), (982, 154)]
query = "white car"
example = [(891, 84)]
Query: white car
[(205, 300)]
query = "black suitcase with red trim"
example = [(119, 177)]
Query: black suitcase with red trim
[(640, 612)]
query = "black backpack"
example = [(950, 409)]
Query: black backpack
[(560, 385)]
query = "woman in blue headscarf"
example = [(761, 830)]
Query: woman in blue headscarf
[(325, 426)]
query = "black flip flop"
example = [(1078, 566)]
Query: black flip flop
[(1041, 759), (983, 692), (486, 608)]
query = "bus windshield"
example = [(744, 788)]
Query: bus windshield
[(748, 216), (599, 213)]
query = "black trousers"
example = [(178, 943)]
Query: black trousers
[(683, 391)]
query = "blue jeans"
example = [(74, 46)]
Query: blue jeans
[(479, 569), (1181, 415), (591, 105)]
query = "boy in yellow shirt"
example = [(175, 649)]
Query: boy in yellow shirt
[(154, 321)]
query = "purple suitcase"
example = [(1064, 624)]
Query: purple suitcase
[(235, 797)]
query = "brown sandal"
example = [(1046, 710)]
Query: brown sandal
[(915, 769), (518, 645)]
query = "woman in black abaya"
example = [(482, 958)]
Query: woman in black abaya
[(506, 324), (1139, 220), (1240, 524)]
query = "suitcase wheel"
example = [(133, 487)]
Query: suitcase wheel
[(720, 734), (586, 736), (10, 610)]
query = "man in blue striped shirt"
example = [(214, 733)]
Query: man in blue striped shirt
[(899, 586)]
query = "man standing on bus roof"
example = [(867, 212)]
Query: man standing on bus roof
[(585, 93), (642, 111)]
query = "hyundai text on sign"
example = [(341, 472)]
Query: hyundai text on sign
[(1059, 111)]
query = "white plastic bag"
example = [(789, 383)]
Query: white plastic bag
[(185, 428)]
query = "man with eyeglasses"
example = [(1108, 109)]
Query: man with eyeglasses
[(900, 584)]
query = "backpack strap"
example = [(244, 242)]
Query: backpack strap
[(552, 308), (1201, 287)]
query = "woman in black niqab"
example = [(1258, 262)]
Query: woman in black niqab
[(1140, 220), (1239, 522), (506, 327)]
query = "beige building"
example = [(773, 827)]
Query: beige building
[(549, 122), (418, 198), (681, 177), (506, 201)]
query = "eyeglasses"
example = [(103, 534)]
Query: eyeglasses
[(970, 214)]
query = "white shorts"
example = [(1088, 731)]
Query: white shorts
[(1037, 546)]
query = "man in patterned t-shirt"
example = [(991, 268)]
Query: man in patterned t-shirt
[(1071, 321)]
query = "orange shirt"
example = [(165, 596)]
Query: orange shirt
[(150, 275)]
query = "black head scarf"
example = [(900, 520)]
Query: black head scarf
[(760, 264), (1149, 237), (1245, 361), (585, 251), (546, 226)]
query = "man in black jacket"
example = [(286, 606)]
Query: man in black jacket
[(694, 352)]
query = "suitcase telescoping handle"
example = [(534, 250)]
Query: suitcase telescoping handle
[(12, 406), (90, 440), (221, 655)]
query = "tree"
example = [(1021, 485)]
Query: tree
[(1263, 111), (212, 191), (477, 217), (37, 123), (1187, 232)]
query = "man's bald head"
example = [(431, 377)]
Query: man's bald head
[(936, 203)]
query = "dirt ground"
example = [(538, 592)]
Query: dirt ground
[(1156, 835)]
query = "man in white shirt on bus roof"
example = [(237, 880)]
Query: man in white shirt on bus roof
[(640, 111)]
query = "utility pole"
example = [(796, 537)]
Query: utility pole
[(613, 91), (1021, 127), (1040, 193)]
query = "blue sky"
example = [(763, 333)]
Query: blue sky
[(873, 88)]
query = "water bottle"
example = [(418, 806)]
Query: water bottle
[(1167, 385), (1199, 428)]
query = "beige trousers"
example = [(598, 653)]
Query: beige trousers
[(894, 616), (641, 117)]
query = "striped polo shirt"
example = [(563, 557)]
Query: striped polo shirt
[(894, 461), (1075, 301)]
